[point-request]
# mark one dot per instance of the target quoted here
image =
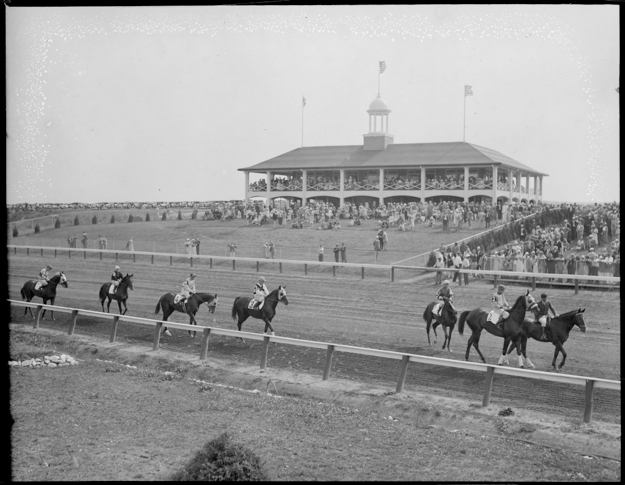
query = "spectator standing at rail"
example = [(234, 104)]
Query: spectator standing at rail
[(197, 246), (272, 250), (84, 239), (343, 253), (130, 246), (337, 249), (385, 239), (381, 239), (69, 241), (232, 247), (466, 265), (187, 245), (439, 264), (104, 242), (320, 251), (376, 247), (457, 263)]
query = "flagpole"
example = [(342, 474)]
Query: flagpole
[(464, 115), (302, 121)]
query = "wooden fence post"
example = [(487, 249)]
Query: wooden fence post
[(134, 258), (334, 271), (265, 351), (42, 252), (204, 348), (576, 286), (402, 373), (363, 273), (116, 256), (157, 335), (55, 253), (392, 274), (14, 250), (305, 269), (533, 283), (37, 316), (257, 266), (590, 385), (72, 323), (495, 282), (152, 259), (211, 263), (488, 386), (191, 260), (27, 251), (328, 365), (100, 255), (84, 255), (280, 266), (233, 265), (69, 253), (114, 328)]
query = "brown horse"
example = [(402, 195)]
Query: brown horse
[(190, 308), (557, 333), (241, 311), (46, 293), (448, 319), (121, 294), (511, 331)]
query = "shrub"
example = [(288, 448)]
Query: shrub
[(220, 460), (57, 223), (194, 214), (164, 218), (94, 220), (431, 260), (179, 215), (130, 218), (37, 229), (15, 232), (113, 219), (76, 221), (147, 217)]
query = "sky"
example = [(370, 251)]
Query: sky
[(166, 103)]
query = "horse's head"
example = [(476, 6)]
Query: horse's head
[(212, 304), (579, 320), (127, 280), (525, 301), (449, 307), (63, 279), (282, 294)]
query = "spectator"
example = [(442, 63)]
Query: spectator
[(272, 250), (320, 251), (385, 239), (266, 246), (130, 245), (343, 253), (466, 264), (233, 248), (187, 245), (457, 264), (84, 239), (197, 246), (336, 253), (376, 247)]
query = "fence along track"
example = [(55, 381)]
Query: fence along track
[(590, 383)]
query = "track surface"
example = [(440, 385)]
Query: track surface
[(348, 310)]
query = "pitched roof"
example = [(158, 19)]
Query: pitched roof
[(403, 155)]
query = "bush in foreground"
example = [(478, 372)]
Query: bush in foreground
[(94, 220), (130, 218), (113, 219), (164, 218), (220, 460), (76, 221), (57, 223)]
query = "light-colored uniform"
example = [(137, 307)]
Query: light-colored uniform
[(260, 292), (442, 294), (188, 288), (116, 279), (500, 305), (43, 277)]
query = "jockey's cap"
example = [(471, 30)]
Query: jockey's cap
[(262, 278), (446, 282), (501, 287), (48, 267), (116, 268), (543, 295), (192, 275)]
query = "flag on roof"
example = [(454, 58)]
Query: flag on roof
[(468, 91), (382, 66)]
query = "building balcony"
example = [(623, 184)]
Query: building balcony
[(402, 185), (481, 185)]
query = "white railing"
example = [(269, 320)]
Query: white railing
[(591, 383)]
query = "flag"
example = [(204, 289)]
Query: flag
[(303, 101), (382, 66), (467, 91)]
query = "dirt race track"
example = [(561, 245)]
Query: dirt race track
[(369, 313)]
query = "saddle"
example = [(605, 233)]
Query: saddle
[(37, 285), (177, 298), (112, 289), (252, 305), (436, 309), (493, 317)]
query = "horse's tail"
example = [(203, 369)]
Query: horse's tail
[(234, 308), (425, 313), (158, 307), (463, 317), (23, 293)]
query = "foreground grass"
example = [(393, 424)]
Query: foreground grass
[(104, 421)]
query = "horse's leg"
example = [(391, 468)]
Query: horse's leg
[(108, 304), (125, 307), (434, 325), (469, 343), (563, 356), (428, 324), (476, 345), (268, 325), (447, 338), (519, 347), (52, 311), (29, 308), (192, 322), (119, 304), (555, 356), (503, 359), (528, 362), (166, 314), (242, 317)]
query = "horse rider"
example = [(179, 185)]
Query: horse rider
[(116, 279), (544, 306), (43, 277), (500, 305), (444, 293), (188, 288), (260, 291)]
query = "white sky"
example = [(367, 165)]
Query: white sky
[(166, 103)]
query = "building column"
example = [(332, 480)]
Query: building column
[(342, 185), (510, 175), (422, 184), (541, 187), (268, 187), (247, 186), (381, 179), (304, 185), (495, 181), (527, 186), (466, 184)]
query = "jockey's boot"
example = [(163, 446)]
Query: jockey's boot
[(500, 323), (184, 307), (544, 335)]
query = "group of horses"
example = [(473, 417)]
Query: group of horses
[(516, 329), (240, 308)]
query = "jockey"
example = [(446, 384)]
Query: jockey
[(188, 288), (500, 305), (444, 293), (544, 306), (260, 291), (43, 275), (116, 278)]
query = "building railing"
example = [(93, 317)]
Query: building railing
[(443, 185), (590, 383), (363, 185), (292, 186), (323, 186), (481, 185), (402, 185), (257, 188)]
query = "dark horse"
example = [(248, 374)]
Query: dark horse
[(266, 313), (121, 294), (191, 307), (557, 333), (448, 319), (48, 292), (477, 321)]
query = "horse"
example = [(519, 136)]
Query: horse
[(121, 294), (557, 333), (448, 319), (241, 311), (48, 292), (191, 307), (477, 321)]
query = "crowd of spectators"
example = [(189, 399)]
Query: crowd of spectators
[(449, 182), (402, 183)]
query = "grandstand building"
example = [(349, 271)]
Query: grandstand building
[(382, 171)]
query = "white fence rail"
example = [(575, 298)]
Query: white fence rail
[(589, 383)]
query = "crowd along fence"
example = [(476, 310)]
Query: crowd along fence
[(590, 383)]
